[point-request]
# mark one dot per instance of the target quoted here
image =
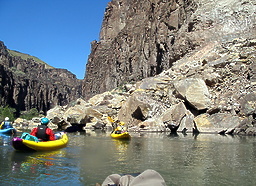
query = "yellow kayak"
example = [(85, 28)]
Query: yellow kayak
[(124, 135), (21, 144)]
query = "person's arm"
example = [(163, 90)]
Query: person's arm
[(33, 132), (1, 125), (51, 134)]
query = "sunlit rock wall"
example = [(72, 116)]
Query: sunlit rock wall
[(140, 39)]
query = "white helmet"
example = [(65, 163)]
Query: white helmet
[(6, 119)]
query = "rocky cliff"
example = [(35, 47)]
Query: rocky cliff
[(26, 82), (172, 63), (212, 90), (187, 66), (141, 39)]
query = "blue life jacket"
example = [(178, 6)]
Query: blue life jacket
[(7, 125), (41, 133)]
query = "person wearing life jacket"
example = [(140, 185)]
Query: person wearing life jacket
[(121, 128), (42, 132), (6, 124)]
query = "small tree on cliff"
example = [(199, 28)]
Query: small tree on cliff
[(7, 112)]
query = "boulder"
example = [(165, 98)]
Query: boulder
[(248, 104), (20, 124), (80, 115), (56, 114), (154, 83), (194, 91), (216, 123), (135, 109), (174, 113)]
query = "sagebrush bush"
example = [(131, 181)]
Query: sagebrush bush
[(7, 112), (30, 114)]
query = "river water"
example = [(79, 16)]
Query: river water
[(206, 159)]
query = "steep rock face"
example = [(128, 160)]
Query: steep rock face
[(140, 39), (208, 91), (27, 84)]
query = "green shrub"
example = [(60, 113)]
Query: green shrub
[(7, 112), (30, 114)]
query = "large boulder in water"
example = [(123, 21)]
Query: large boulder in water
[(217, 123)]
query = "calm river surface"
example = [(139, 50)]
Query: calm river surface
[(90, 157)]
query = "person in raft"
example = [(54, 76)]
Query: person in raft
[(120, 127), (6, 124), (42, 132)]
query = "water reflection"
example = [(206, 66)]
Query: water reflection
[(173, 135), (35, 162), (5, 139), (121, 147)]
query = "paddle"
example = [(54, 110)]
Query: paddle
[(112, 123)]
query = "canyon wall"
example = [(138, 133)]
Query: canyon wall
[(140, 39), (27, 83)]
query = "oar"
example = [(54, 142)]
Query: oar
[(112, 123), (110, 119)]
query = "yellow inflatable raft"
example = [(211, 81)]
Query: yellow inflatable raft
[(21, 144), (124, 135)]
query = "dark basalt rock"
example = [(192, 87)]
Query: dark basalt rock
[(138, 39), (26, 83), (141, 39)]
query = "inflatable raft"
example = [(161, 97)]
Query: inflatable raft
[(124, 135), (27, 145), (8, 131)]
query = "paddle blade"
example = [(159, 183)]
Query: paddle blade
[(110, 119)]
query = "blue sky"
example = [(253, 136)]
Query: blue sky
[(59, 32)]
